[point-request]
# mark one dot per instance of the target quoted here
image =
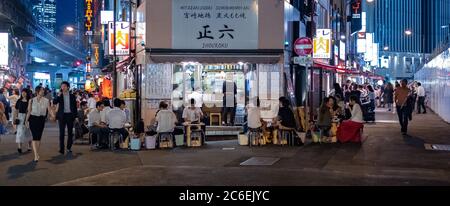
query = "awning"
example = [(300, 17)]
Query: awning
[(328, 67), (216, 56), (120, 66)]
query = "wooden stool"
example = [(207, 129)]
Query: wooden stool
[(211, 115)]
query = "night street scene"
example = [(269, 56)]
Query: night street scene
[(192, 93)]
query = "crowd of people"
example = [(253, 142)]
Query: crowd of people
[(30, 109), (348, 107)]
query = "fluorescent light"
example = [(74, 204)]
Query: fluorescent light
[(39, 60), (408, 32)]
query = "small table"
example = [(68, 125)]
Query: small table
[(188, 126)]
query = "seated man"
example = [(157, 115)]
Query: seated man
[(82, 118), (165, 120), (97, 127), (193, 114), (116, 119)]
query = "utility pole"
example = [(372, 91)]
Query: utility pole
[(311, 6), (114, 52)]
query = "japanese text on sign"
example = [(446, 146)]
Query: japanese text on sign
[(88, 16), (122, 40), (205, 24)]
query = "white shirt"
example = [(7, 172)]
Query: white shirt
[(103, 113), (116, 118), (190, 115), (254, 117), (91, 103), (94, 117), (420, 91), (166, 121), (39, 107), (198, 97), (357, 115)]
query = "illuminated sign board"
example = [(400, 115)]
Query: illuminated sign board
[(322, 44), (89, 17), (122, 38), (4, 49)]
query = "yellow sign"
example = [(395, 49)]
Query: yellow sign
[(322, 44), (122, 36), (88, 15)]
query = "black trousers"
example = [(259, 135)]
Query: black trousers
[(403, 115), (101, 133), (37, 124), (421, 104), (226, 111), (68, 121)]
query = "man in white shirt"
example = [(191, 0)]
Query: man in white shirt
[(166, 119), (420, 98), (192, 113), (96, 126), (116, 119), (106, 109), (91, 102)]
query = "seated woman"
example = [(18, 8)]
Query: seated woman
[(350, 130), (326, 116), (285, 118)]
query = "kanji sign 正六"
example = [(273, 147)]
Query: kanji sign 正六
[(206, 24)]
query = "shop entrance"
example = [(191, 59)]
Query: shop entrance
[(204, 83)]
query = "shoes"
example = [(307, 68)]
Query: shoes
[(424, 112), (19, 150), (28, 150), (69, 151), (36, 159), (61, 151)]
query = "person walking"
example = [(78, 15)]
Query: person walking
[(401, 96), (13, 99), (389, 96), (66, 108), (38, 108), (20, 114), (6, 103), (421, 99)]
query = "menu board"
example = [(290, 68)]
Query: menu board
[(157, 79)]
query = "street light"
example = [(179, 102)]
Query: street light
[(386, 48), (370, 1), (69, 28), (343, 37), (408, 32)]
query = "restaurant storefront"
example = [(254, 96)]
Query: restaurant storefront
[(197, 45)]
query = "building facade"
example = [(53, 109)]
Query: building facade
[(45, 13), (408, 32)]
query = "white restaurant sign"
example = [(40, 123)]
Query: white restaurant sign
[(4, 49), (122, 38), (206, 24), (322, 44)]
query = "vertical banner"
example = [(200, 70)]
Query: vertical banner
[(89, 17), (322, 44), (122, 38), (4, 48), (356, 13)]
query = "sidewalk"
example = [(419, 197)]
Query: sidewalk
[(385, 158)]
